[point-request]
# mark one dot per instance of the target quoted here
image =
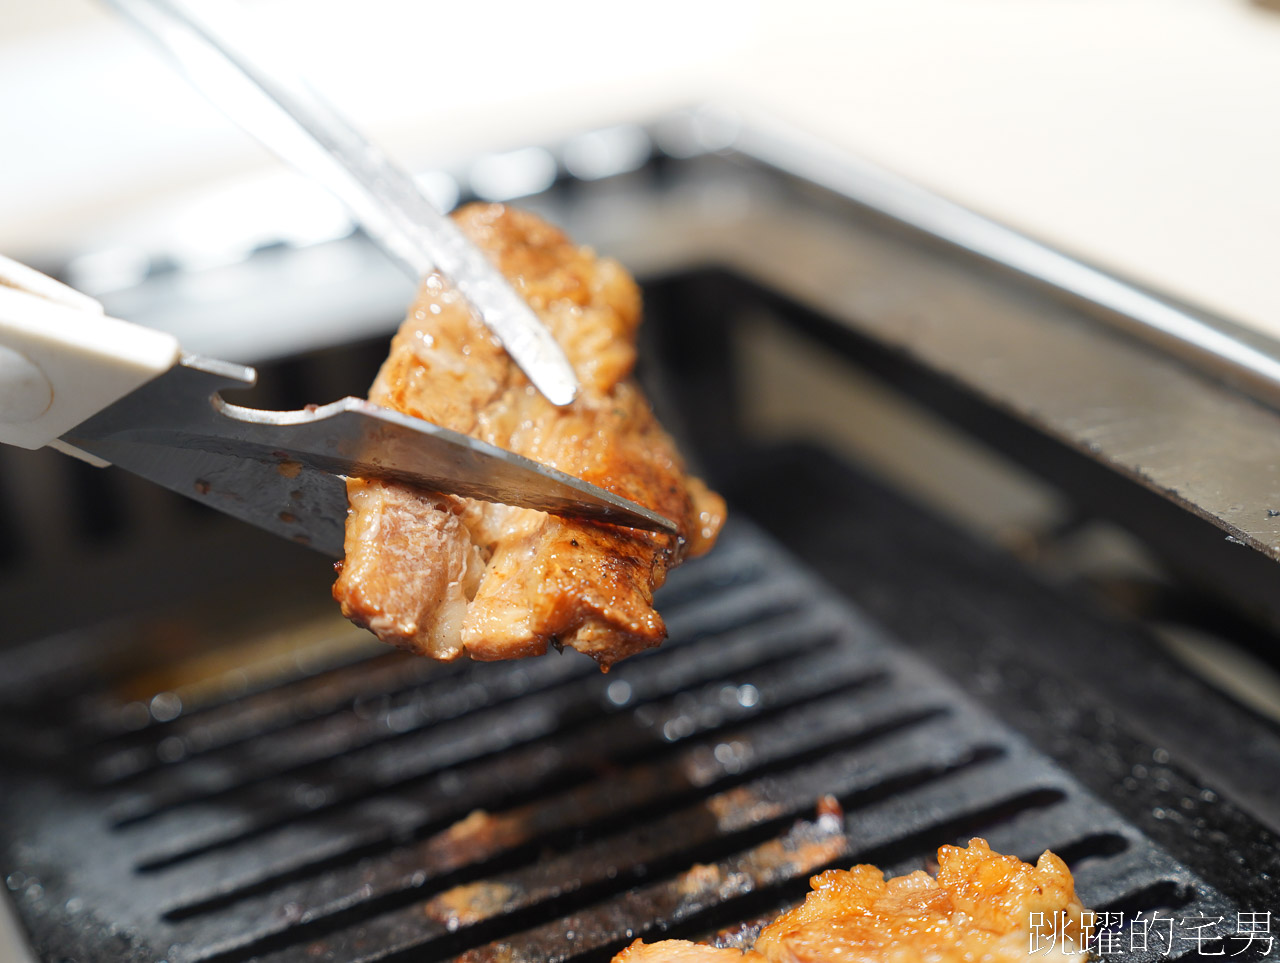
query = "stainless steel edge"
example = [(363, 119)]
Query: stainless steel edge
[(1049, 356), (1247, 360)]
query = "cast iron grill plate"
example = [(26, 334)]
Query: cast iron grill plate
[(365, 805)]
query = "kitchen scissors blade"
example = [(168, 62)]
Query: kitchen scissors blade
[(285, 471)]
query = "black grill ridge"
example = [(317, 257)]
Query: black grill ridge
[(557, 813)]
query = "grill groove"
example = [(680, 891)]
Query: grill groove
[(353, 730), (373, 807), (292, 705), (394, 765), (628, 794)]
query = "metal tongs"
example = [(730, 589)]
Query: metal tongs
[(223, 58), (111, 392)]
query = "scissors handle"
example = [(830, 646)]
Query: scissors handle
[(63, 361)]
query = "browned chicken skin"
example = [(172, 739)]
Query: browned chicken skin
[(440, 575), (979, 908)]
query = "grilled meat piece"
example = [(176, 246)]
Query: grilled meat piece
[(682, 951), (441, 575), (981, 906)]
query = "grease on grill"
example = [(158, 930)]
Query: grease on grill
[(476, 838), (468, 904)]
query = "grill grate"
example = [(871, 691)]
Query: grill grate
[(371, 806)]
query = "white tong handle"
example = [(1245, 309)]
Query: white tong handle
[(62, 360)]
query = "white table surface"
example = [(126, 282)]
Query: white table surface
[(1142, 134)]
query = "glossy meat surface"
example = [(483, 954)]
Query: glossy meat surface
[(445, 576), (982, 906), (682, 951)]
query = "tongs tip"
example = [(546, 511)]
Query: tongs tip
[(558, 390)]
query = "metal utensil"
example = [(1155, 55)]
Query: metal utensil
[(114, 392), (283, 470), (226, 62)]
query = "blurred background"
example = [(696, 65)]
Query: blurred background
[(1141, 134)]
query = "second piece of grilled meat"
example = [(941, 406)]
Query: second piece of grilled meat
[(981, 906)]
